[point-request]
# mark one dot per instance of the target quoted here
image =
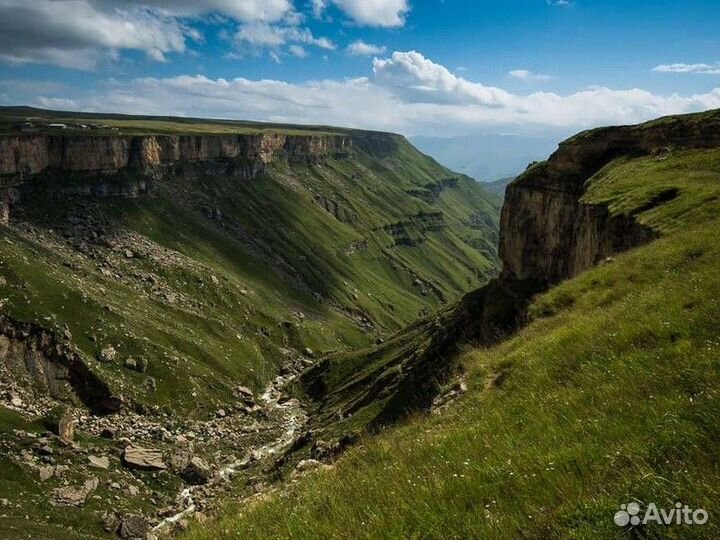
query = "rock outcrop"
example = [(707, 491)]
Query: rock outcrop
[(27, 155), (547, 234), (125, 165), (51, 367), (145, 459)]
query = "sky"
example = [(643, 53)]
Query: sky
[(419, 67)]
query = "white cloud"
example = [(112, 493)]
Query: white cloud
[(75, 33), (704, 69), (383, 13), (297, 50), (360, 48), (318, 7), (407, 93), (240, 10), (525, 75), (259, 36), (60, 104), (81, 33), (419, 79)]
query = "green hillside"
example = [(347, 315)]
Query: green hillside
[(176, 297), (225, 280), (608, 396)]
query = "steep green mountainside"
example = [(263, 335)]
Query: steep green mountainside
[(146, 293), (607, 395), (218, 281)]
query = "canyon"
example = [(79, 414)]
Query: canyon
[(240, 311)]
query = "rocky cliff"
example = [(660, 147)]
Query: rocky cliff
[(548, 233), (23, 157)]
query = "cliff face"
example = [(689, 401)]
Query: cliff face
[(28, 155), (244, 156), (547, 234), (55, 368)]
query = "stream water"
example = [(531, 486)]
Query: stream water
[(291, 418)]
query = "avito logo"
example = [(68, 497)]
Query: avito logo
[(631, 515)]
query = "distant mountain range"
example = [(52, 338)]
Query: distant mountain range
[(498, 186), (489, 156)]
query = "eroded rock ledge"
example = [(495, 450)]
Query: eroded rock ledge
[(36, 358), (123, 165), (547, 235), (26, 155)]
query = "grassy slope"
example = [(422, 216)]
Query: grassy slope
[(273, 277), (277, 275), (609, 395)]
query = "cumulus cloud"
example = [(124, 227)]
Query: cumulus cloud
[(407, 93), (525, 75), (258, 36), (261, 35), (239, 10), (704, 69), (318, 7), (297, 50), (360, 48), (75, 33), (419, 79), (379, 13), (80, 33)]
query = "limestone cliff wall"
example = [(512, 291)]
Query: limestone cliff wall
[(26, 155), (547, 234)]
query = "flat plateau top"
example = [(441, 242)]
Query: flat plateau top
[(28, 120)]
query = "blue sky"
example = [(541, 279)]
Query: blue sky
[(433, 67)]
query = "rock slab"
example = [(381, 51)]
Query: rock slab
[(145, 459)]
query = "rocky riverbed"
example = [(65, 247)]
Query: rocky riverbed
[(144, 477)]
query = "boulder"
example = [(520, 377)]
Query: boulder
[(70, 496), (107, 355), (151, 384), (47, 472), (133, 527), (141, 364), (245, 394), (101, 462), (75, 496), (111, 521), (197, 472), (145, 459), (66, 426), (61, 421), (308, 465)]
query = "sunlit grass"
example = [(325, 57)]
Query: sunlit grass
[(609, 395)]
